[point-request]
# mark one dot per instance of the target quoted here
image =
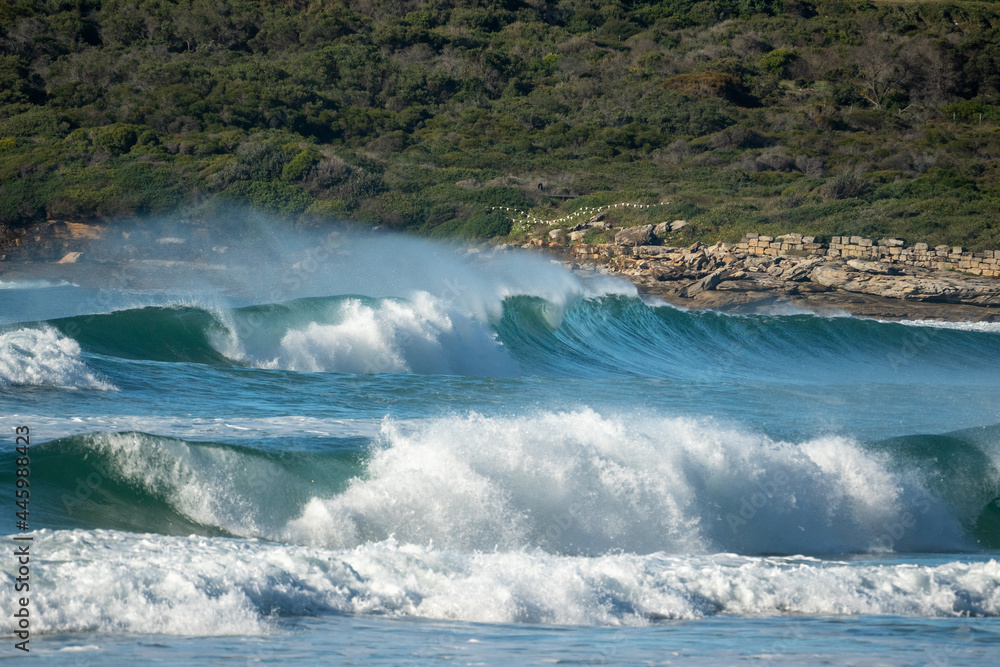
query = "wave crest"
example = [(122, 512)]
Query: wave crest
[(581, 483), (354, 335), (570, 483), (44, 357)]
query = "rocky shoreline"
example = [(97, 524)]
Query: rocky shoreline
[(760, 274)]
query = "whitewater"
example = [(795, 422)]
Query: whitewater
[(328, 446)]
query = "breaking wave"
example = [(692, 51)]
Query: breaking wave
[(575, 483), (44, 357)]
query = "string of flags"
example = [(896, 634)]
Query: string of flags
[(524, 216)]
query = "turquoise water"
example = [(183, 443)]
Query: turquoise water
[(362, 449)]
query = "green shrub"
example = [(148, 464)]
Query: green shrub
[(278, 197), (117, 139), (593, 236), (299, 164), (30, 122), (971, 111), (777, 61), (487, 225)]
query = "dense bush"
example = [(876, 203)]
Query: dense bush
[(826, 116)]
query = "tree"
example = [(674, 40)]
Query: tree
[(879, 67)]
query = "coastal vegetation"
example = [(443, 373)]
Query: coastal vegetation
[(820, 117)]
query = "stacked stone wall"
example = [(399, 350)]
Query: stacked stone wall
[(893, 251)]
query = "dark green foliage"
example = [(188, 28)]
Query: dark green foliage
[(745, 115), (777, 61), (117, 138), (488, 224), (271, 196), (263, 161), (33, 121), (300, 164)]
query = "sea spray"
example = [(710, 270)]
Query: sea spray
[(44, 357), (637, 483), (575, 483), (423, 334)]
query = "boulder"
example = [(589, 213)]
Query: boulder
[(662, 229), (878, 268), (666, 272), (635, 236), (709, 282), (926, 286), (678, 225), (800, 271)]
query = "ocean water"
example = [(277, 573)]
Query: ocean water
[(330, 448)]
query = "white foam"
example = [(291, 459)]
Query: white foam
[(419, 335), (34, 284), (981, 327), (200, 428), (44, 357), (575, 483), (107, 581), (785, 309), (582, 483)]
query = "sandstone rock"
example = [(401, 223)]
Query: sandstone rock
[(757, 262), (577, 235), (635, 236), (558, 235), (653, 251), (695, 260), (928, 286), (880, 268), (666, 272), (662, 229), (801, 270), (709, 282), (678, 225)]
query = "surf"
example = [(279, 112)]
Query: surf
[(607, 335), (569, 483)]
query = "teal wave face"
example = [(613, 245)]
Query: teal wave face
[(343, 334), (597, 485), (606, 336), (147, 483), (173, 334), (960, 468), (623, 335)]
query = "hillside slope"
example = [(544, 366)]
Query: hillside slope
[(822, 117)]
